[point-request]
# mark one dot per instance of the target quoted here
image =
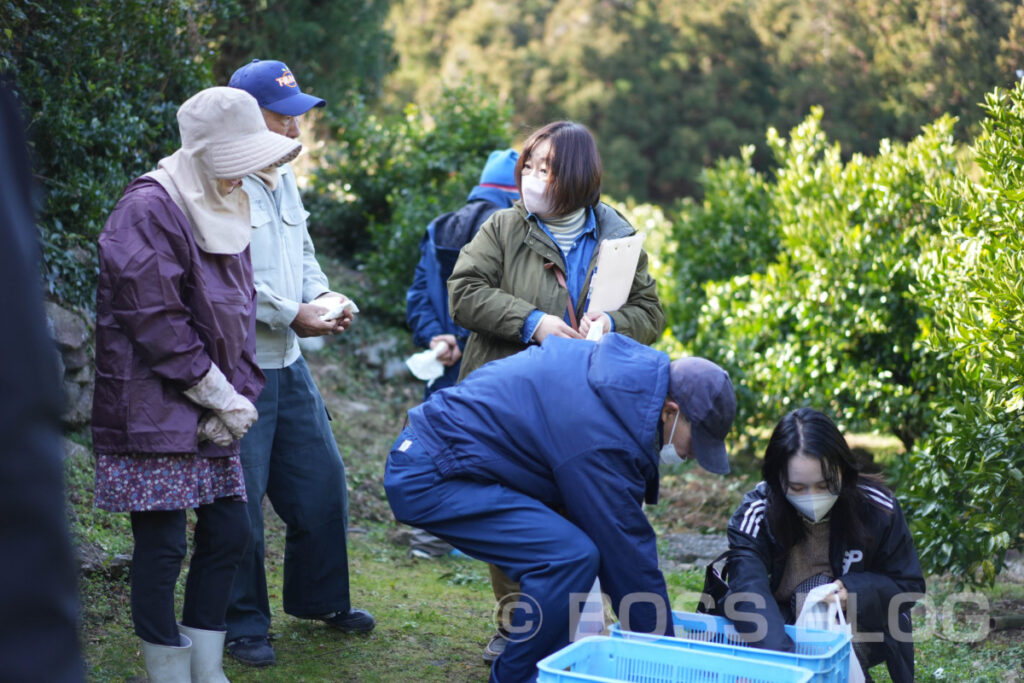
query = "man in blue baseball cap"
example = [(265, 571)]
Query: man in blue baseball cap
[(289, 454)]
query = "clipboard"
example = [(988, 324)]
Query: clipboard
[(613, 273)]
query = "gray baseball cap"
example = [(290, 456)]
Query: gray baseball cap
[(707, 400)]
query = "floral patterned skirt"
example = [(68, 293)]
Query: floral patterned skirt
[(165, 482)]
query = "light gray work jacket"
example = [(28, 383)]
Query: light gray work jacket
[(284, 265)]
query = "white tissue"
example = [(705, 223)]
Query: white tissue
[(336, 310), (425, 365)]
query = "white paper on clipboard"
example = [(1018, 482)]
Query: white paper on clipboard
[(613, 277), (613, 274)]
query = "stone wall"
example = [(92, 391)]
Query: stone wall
[(72, 330)]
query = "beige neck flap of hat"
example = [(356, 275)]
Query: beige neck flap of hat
[(270, 177), (220, 223)]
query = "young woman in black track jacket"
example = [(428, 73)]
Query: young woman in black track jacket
[(817, 516)]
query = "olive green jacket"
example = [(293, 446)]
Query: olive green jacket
[(500, 278)]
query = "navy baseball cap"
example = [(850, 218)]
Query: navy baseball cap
[(707, 400), (274, 87)]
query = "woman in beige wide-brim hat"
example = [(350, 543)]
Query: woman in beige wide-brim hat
[(176, 373)]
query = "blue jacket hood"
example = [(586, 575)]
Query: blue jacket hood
[(632, 385), (494, 195)]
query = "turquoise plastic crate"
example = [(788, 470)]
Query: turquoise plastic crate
[(602, 658), (826, 654)]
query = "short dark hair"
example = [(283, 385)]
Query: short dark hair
[(811, 433), (575, 169)]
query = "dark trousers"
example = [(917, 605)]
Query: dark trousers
[(550, 557), (897, 654), (222, 528), (290, 455)]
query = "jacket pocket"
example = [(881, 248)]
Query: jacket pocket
[(258, 217), (294, 215)]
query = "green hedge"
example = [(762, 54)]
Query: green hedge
[(100, 83)]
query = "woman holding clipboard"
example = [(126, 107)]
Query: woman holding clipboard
[(527, 273)]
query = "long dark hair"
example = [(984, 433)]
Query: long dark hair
[(574, 166), (811, 433)]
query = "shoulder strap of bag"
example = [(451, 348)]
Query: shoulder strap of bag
[(724, 556), (568, 297), (715, 587)]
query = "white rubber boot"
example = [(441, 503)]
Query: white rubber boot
[(207, 654), (168, 664)]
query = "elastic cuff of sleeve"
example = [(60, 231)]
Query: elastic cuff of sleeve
[(531, 324)]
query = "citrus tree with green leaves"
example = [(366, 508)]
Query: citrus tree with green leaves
[(894, 301), (731, 231), (966, 477), (831, 321)]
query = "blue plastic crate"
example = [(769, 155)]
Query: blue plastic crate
[(601, 658), (824, 653)]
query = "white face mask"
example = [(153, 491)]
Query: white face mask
[(668, 454), (813, 506), (535, 197)]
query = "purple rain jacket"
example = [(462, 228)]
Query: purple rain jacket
[(164, 311)]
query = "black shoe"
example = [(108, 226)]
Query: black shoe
[(252, 650), (352, 621)]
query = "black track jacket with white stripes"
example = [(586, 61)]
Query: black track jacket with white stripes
[(884, 574)]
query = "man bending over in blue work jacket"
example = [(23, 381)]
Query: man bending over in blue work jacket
[(569, 425)]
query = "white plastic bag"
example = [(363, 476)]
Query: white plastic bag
[(821, 613), (818, 612), (596, 331), (591, 621), (856, 673)]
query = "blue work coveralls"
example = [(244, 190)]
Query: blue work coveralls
[(571, 426)]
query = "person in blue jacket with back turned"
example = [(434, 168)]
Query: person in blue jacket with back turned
[(426, 302), (427, 299), (573, 426)]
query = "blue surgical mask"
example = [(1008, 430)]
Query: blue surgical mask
[(668, 454)]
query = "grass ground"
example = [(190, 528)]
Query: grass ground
[(434, 616), (432, 624)]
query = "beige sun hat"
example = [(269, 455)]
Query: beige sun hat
[(223, 136), (227, 123)]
